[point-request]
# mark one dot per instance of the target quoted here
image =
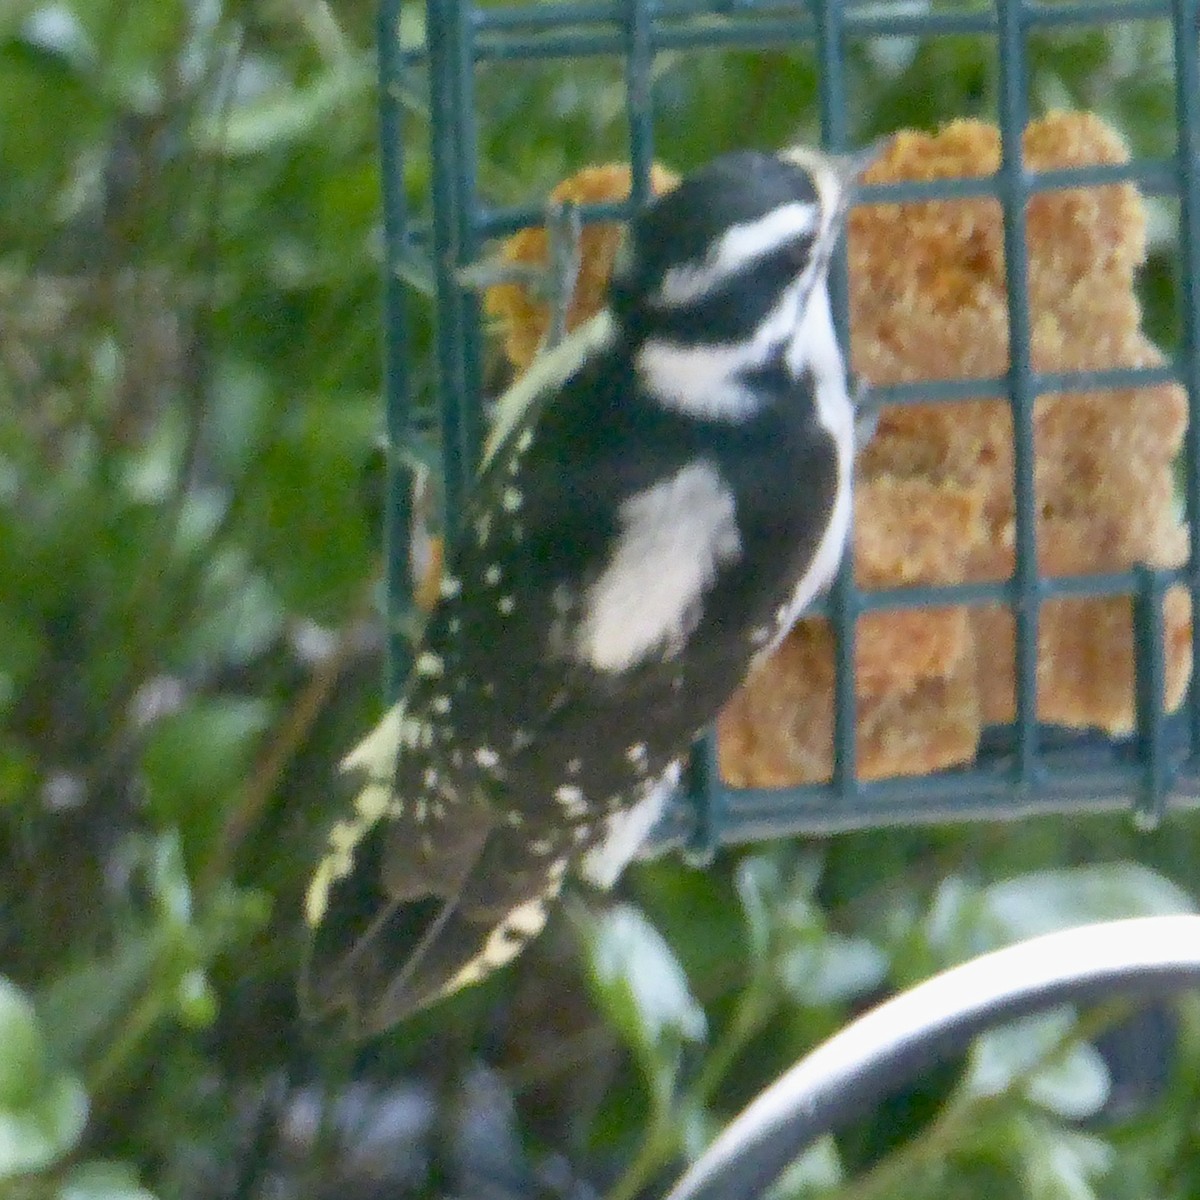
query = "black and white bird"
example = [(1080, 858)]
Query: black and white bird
[(662, 495)]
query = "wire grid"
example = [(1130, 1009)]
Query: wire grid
[(1022, 769)]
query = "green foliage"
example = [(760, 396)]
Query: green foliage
[(189, 411)]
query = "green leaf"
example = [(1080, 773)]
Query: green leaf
[(196, 757), (831, 969), (306, 515), (287, 113), (642, 988), (1070, 1080), (24, 1067), (759, 888), (13, 14), (195, 1000), (102, 1181), (42, 1132), (965, 920), (1059, 1164), (817, 1171), (1044, 901), (85, 1003)]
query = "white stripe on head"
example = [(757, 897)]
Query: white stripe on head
[(700, 380), (737, 247)]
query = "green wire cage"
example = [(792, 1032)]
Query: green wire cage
[(442, 220)]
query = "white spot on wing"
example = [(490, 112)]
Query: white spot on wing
[(373, 801), (570, 800), (674, 538), (505, 941), (625, 832), (473, 972), (492, 575), (428, 664), (449, 587), (511, 500), (376, 753), (375, 756), (486, 757), (506, 604)]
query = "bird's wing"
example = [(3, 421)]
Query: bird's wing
[(420, 893)]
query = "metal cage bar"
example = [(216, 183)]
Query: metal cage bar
[(1021, 769), (398, 581)]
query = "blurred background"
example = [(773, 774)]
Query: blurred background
[(191, 481)]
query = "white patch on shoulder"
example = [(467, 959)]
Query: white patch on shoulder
[(625, 832), (700, 380), (674, 538), (547, 374), (739, 245)]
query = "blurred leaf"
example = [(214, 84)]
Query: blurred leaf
[(1048, 900), (643, 991), (287, 114), (13, 14), (816, 1172), (81, 1006), (306, 509), (24, 1065), (43, 1131), (964, 920), (1059, 1164), (788, 936), (195, 1000), (194, 759), (170, 887), (759, 888), (832, 969), (1073, 1083), (102, 1181)]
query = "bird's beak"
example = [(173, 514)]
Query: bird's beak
[(849, 167), (840, 172)]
